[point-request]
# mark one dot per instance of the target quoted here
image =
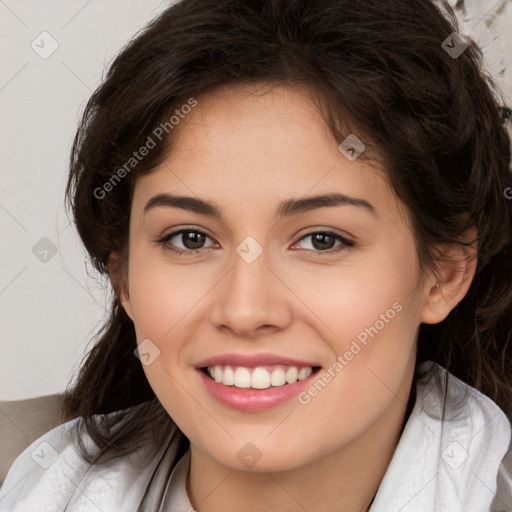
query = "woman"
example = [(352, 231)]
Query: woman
[(302, 209)]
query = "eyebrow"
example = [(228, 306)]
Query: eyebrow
[(285, 209)]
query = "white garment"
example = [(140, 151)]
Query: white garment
[(455, 465)]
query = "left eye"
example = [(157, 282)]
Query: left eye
[(193, 241), (321, 239)]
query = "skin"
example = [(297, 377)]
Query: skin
[(247, 152)]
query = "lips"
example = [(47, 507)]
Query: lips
[(254, 360), (253, 400)]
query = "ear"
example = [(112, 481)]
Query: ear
[(450, 283), (119, 280)]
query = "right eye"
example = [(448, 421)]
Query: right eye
[(194, 238)]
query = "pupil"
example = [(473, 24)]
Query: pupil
[(196, 239), (318, 237)]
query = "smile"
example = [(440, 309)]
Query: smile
[(260, 377), (252, 398)]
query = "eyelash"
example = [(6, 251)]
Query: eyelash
[(346, 244)]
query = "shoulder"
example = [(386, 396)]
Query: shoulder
[(41, 470), (503, 499), (447, 397), (50, 474), (475, 433)]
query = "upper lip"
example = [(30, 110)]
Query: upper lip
[(253, 360)]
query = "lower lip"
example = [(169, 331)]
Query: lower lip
[(254, 400)]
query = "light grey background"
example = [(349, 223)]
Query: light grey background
[(50, 309)]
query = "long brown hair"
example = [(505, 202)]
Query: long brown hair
[(379, 70)]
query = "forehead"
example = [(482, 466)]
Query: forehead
[(277, 121), (255, 145)]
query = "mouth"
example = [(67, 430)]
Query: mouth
[(256, 388), (259, 377)]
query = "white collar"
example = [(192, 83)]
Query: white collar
[(437, 466)]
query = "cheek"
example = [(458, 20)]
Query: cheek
[(373, 347), (161, 294), (370, 295), (376, 329), (369, 315)]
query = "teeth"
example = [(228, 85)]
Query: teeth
[(242, 378), (304, 373), (277, 378), (228, 377), (292, 374), (260, 378)]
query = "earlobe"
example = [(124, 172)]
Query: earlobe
[(119, 282), (456, 271)]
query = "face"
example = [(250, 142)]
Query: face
[(336, 286)]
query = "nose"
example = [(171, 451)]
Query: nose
[(251, 300)]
